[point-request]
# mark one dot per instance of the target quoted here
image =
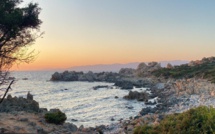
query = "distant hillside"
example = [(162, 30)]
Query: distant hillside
[(117, 67)]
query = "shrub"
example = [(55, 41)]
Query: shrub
[(199, 120), (205, 70), (56, 117)]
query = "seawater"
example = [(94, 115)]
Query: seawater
[(82, 104)]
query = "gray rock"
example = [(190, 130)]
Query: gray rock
[(112, 119), (81, 127), (160, 85), (140, 96), (9, 97), (17, 128), (29, 96), (124, 84), (19, 104), (54, 110), (128, 72), (147, 110), (100, 86), (116, 97), (40, 130), (43, 110), (70, 127), (23, 119), (32, 124), (56, 76)]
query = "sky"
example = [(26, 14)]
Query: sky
[(88, 32)]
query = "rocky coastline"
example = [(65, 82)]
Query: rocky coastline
[(126, 78), (170, 96), (173, 96)]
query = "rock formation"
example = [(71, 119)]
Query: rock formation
[(144, 70), (140, 96), (19, 104)]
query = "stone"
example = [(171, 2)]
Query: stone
[(81, 127), (40, 130), (70, 127), (129, 107), (19, 104), (160, 85), (23, 119), (54, 110), (32, 124), (17, 128), (74, 120), (150, 103), (147, 110), (144, 70), (56, 76), (124, 84), (43, 110), (9, 97), (128, 72), (169, 66), (130, 127), (140, 96), (100, 86), (29, 96)]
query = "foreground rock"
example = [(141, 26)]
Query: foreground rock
[(11, 104), (23, 115)]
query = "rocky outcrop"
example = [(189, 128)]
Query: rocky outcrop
[(203, 61), (101, 86), (169, 66), (140, 96), (127, 72), (144, 70), (124, 84), (11, 104), (124, 79), (129, 83), (89, 76)]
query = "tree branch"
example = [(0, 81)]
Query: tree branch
[(6, 91)]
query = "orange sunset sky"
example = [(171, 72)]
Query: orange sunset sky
[(87, 32)]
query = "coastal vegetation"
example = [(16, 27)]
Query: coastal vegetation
[(56, 117), (204, 68), (194, 121)]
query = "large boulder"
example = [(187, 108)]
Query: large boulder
[(56, 76), (145, 70), (169, 66), (124, 84), (140, 96)]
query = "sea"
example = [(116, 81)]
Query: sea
[(82, 104)]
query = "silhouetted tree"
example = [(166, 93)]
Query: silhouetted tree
[(19, 28)]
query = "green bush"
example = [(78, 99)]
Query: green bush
[(199, 120), (56, 117)]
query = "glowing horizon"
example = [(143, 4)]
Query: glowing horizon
[(82, 32)]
